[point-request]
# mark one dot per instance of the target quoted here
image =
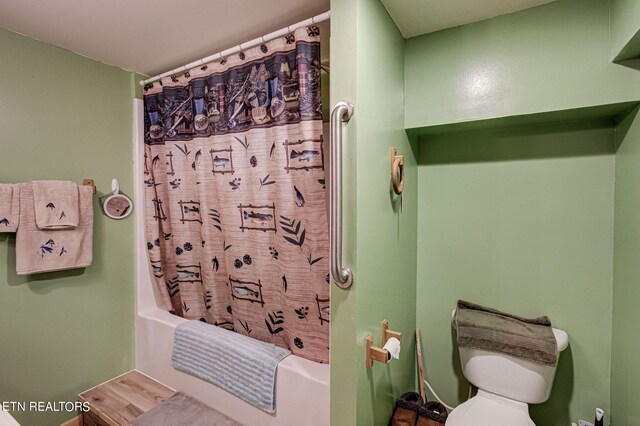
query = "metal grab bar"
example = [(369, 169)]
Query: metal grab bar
[(341, 113)]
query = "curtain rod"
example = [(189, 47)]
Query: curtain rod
[(255, 42)]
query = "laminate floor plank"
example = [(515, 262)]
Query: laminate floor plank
[(122, 399)]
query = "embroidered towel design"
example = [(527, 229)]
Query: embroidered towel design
[(46, 250), (9, 207), (56, 204)]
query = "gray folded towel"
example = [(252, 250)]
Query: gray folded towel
[(46, 250), (487, 329), (182, 410), (56, 204), (240, 365), (9, 207)]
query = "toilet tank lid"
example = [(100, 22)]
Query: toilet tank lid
[(562, 339)]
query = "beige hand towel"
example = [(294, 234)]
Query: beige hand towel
[(56, 204), (46, 250), (9, 207)]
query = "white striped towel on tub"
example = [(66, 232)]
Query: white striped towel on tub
[(240, 365)]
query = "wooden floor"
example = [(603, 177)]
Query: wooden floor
[(120, 400)]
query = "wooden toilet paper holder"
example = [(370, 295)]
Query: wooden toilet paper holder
[(375, 353)]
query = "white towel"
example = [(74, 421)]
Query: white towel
[(46, 250), (9, 207), (56, 204)]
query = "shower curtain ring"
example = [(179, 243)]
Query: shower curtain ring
[(263, 46)]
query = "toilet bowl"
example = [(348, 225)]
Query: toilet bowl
[(506, 385)]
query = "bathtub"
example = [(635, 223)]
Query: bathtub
[(302, 386), (7, 420)]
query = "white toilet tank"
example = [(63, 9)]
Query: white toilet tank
[(511, 377)]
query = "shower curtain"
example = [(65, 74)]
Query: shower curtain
[(235, 209)]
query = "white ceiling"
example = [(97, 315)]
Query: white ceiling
[(152, 36), (416, 17)]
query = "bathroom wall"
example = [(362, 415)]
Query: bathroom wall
[(625, 29), (64, 116), (548, 58), (521, 219), (513, 212), (385, 274), (344, 374), (625, 374), (382, 248)]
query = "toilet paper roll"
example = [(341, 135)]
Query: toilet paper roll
[(393, 346)]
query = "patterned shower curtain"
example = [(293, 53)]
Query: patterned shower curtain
[(236, 220)]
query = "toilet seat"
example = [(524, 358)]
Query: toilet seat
[(488, 409)]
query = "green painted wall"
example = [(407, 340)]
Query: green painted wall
[(65, 117), (512, 211), (521, 219), (386, 264), (382, 247), (625, 374), (344, 373), (136, 88), (625, 29), (552, 57)]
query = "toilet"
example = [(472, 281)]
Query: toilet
[(506, 385)]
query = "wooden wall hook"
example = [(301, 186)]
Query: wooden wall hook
[(397, 168), (89, 182)]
